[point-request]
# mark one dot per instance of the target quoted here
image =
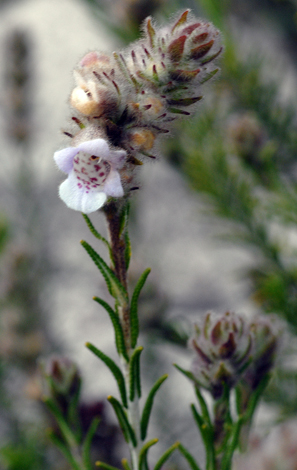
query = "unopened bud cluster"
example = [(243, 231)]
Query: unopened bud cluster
[(62, 379), (128, 100), (229, 348)]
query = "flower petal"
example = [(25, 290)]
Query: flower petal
[(117, 158), (78, 199), (64, 158), (113, 186), (97, 147)]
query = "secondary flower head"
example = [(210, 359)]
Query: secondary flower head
[(222, 345), (92, 169)]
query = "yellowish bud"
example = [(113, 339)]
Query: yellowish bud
[(142, 139), (85, 104)]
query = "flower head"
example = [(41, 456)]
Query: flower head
[(93, 175), (222, 346)]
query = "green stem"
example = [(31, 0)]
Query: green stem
[(116, 227)]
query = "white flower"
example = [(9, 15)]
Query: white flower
[(92, 174)]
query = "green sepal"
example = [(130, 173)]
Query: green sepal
[(142, 462), (178, 111), (125, 464), (123, 68), (208, 76), (128, 432), (115, 370), (176, 48), (181, 20), (97, 234), (150, 32), (148, 406), (200, 51), (166, 456), (134, 372), (86, 447), (118, 331), (212, 57), (64, 450), (115, 288), (184, 101), (133, 309), (105, 466), (189, 457)]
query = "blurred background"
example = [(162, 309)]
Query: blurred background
[(215, 218)]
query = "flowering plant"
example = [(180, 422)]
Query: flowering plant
[(122, 105)]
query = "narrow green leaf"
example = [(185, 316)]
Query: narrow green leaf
[(189, 457), (232, 445), (133, 309), (148, 406), (166, 456), (125, 464), (105, 466), (143, 465), (119, 335), (128, 250), (255, 397), (199, 420), (72, 417), (207, 436), (67, 433), (115, 370), (203, 406), (86, 447), (97, 234), (135, 384), (115, 288), (187, 373), (124, 217), (64, 450), (123, 421)]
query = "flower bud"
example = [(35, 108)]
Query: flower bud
[(222, 345), (63, 378), (266, 341), (142, 139)]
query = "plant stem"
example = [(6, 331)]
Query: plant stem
[(113, 212), (118, 247)]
